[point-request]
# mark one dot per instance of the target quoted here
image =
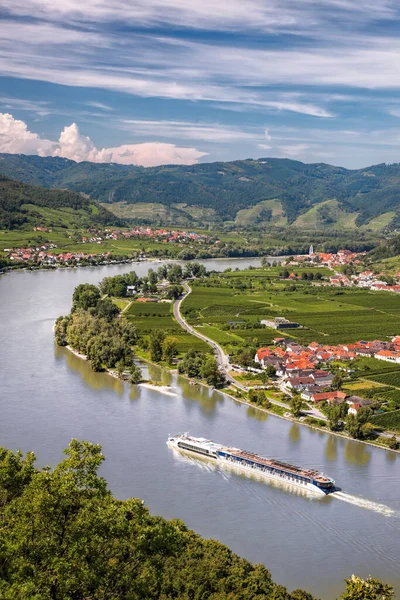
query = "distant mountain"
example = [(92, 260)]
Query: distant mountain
[(252, 193), (27, 205)]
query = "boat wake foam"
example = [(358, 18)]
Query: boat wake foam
[(363, 503)]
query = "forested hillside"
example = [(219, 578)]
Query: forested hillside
[(26, 205), (278, 192)]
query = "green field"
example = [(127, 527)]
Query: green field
[(389, 421), (392, 379), (326, 314), (150, 316)]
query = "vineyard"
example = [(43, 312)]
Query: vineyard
[(389, 421), (241, 299)]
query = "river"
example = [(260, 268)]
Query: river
[(48, 396)]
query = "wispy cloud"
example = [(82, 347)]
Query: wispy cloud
[(38, 107), (211, 132)]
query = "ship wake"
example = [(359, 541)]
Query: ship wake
[(363, 503)]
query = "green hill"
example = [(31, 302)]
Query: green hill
[(24, 206), (272, 191)]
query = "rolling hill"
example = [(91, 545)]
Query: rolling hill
[(23, 206), (251, 193)]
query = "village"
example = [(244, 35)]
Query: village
[(158, 235), (342, 276), (305, 369)]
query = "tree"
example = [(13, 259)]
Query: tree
[(120, 366), (136, 374), (85, 296), (334, 415), (368, 589), (271, 371), (152, 277), (174, 292), (106, 309), (169, 349), (156, 341), (295, 404), (210, 372), (393, 443), (174, 274), (191, 363), (337, 381)]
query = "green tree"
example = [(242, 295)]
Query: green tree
[(136, 374), (174, 274), (334, 415), (393, 443), (169, 349), (174, 291), (367, 589), (337, 381), (295, 404), (156, 342), (210, 372), (85, 296)]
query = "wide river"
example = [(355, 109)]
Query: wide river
[(48, 396)]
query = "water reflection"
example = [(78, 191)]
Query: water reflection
[(134, 393), (254, 413), (391, 456), (156, 373), (96, 381), (227, 469), (206, 397), (331, 448), (294, 433), (356, 453)]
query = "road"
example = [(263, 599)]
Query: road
[(220, 356)]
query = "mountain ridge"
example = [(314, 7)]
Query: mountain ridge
[(217, 192)]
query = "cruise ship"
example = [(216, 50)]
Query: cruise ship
[(305, 479)]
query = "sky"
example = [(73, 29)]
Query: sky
[(152, 82)]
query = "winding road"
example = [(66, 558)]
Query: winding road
[(222, 358)]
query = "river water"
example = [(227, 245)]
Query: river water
[(48, 396)]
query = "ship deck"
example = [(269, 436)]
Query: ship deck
[(276, 464)]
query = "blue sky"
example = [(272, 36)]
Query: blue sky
[(184, 81)]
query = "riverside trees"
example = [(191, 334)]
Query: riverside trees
[(94, 330)]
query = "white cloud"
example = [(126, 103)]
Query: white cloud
[(262, 15), (264, 146), (296, 150), (41, 108), (15, 138), (210, 132), (98, 105)]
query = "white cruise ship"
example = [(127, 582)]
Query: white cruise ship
[(305, 479)]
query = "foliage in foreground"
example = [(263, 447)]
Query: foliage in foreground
[(64, 536)]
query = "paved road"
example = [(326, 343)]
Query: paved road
[(220, 356)]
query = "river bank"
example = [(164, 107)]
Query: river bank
[(49, 396)]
